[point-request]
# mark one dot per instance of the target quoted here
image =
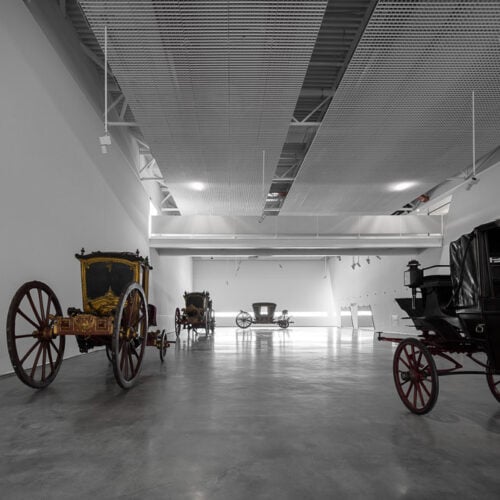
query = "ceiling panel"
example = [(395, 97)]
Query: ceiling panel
[(402, 112), (213, 86)]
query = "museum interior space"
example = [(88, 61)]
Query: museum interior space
[(246, 244)]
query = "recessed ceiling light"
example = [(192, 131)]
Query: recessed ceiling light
[(402, 186), (197, 186)]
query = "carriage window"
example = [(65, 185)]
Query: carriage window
[(263, 310), (195, 300), (103, 276)]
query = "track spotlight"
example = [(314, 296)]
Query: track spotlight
[(378, 257), (473, 180), (339, 258), (105, 141), (353, 265), (368, 260)]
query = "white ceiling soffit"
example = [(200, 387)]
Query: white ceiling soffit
[(213, 85), (402, 112)]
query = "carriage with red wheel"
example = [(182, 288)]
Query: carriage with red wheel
[(197, 313), (456, 314), (115, 315)]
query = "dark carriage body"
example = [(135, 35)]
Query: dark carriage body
[(263, 312), (475, 273), (197, 313), (434, 310)]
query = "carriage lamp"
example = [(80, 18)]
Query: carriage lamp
[(413, 279)]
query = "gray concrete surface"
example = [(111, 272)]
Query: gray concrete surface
[(262, 414)]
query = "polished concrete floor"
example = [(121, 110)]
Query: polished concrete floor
[(307, 413)]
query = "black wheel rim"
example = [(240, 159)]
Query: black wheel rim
[(163, 346), (177, 321), (415, 376), (36, 354), (129, 335), (243, 320)]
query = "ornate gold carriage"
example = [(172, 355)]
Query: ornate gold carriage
[(115, 315)]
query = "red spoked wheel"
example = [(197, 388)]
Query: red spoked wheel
[(129, 335), (493, 379), (415, 376), (177, 321), (36, 354)]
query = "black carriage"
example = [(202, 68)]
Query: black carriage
[(197, 313), (115, 315), (263, 314), (457, 313)]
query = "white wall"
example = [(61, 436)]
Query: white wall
[(375, 284), (171, 276), (296, 285), (57, 192)]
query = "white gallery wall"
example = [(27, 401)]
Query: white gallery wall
[(378, 283), (170, 277), (301, 286), (58, 193)]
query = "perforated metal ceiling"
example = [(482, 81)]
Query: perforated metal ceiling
[(213, 86), (403, 109)]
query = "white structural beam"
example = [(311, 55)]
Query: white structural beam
[(302, 233)]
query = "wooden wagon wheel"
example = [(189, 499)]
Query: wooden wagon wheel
[(493, 379), (284, 323), (177, 321), (129, 335), (36, 354), (163, 345), (243, 320), (212, 321), (415, 376)]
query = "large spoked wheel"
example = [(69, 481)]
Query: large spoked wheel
[(129, 335), (163, 345), (415, 376), (493, 379), (284, 323), (243, 320), (212, 321), (36, 354), (177, 321)]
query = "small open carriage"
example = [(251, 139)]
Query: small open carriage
[(197, 313), (263, 315), (115, 315), (455, 314)]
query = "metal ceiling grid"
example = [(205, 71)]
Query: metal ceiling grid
[(402, 111), (213, 85)]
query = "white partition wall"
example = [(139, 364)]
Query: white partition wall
[(301, 286)]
